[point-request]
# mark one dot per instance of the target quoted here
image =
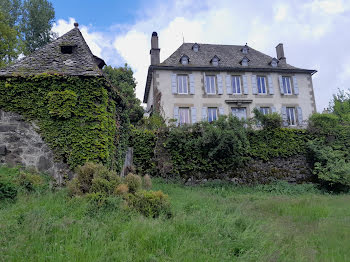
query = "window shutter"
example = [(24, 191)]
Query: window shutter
[(280, 80), (219, 79), (194, 115), (228, 85), (254, 86), (176, 114), (173, 84), (221, 111), (245, 85), (300, 115), (204, 114), (205, 84), (191, 84), (270, 83), (284, 116), (295, 84), (273, 109)]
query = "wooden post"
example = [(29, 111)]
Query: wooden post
[(128, 163)]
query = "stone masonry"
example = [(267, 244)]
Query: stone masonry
[(21, 144)]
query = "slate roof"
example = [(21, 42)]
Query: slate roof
[(230, 60), (230, 56), (50, 59)]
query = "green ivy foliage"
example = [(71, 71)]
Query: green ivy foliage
[(76, 115), (278, 142), (143, 142), (61, 103)]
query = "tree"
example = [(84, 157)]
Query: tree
[(123, 79), (36, 23), (9, 42), (11, 10)]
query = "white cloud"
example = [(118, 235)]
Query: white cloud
[(313, 32)]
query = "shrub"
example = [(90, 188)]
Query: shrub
[(102, 185), (121, 190), (149, 203), (331, 166), (30, 181), (147, 182), (8, 188), (93, 177), (269, 121), (134, 182), (323, 123), (100, 202)]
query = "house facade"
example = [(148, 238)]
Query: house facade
[(203, 81)]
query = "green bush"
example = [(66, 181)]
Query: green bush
[(323, 123), (8, 187), (269, 121), (331, 166), (30, 181), (93, 177), (134, 182), (149, 203)]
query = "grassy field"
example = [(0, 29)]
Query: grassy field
[(212, 223)]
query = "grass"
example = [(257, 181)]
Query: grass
[(211, 223)]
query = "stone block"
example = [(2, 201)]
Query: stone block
[(8, 128), (3, 150), (44, 164)]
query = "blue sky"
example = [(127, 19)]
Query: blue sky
[(314, 32)]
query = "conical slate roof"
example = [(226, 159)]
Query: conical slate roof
[(67, 55)]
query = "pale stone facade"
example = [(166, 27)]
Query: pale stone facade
[(162, 90)]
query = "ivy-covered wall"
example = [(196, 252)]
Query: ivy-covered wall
[(223, 149), (76, 115)]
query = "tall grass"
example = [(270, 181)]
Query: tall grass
[(210, 223)]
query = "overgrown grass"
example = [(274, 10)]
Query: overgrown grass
[(209, 223)]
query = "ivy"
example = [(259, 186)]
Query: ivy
[(76, 115)]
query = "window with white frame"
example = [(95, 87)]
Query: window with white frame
[(212, 114), (239, 112), (264, 110), (261, 83), (184, 60), (236, 85), (184, 115), (210, 84), (291, 119), (182, 84), (287, 85)]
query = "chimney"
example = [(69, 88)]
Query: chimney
[(280, 53), (155, 51)]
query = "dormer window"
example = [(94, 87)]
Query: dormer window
[(184, 60), (67, 49), (245, 49), (215, 61), (274, 62), (195, 47), (245, 61)]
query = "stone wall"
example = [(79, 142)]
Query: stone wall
[(21, 144)]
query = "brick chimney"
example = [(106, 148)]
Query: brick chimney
[(155, 51), (280, 53)]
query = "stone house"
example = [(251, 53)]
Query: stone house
[(21, 141), (203, 81)]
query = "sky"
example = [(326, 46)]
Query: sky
[(315, 33)]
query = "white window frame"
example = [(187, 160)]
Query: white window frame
[(265, 110), (212, 114), (239, 108), (184, 111), (209, 85), (285, 87), (234, 80), (215, 61), (181, 80), (258, 81), (291, 116)]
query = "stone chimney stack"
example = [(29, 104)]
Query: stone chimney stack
[(155, 51), (280, 53)]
